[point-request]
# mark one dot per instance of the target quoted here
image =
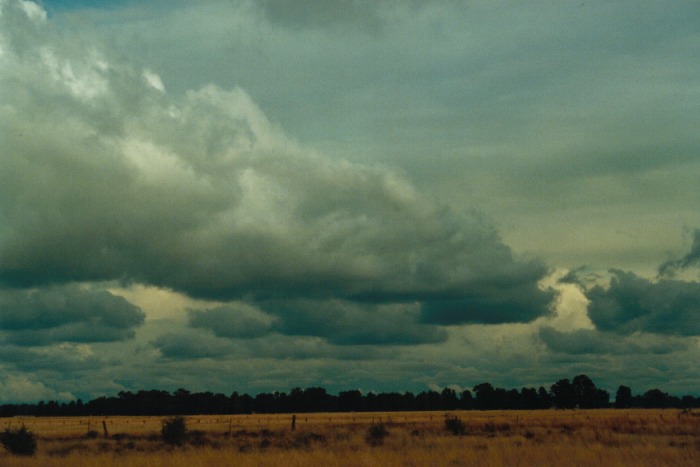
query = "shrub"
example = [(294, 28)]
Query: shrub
[(376, 434), (175, 431), (455, 426), (20, 442)]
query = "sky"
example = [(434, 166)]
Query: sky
[(257, 195)]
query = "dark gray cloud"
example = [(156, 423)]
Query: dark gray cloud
[(65, 314), (339, 322), (347, 323), (190, 346), (233, 321), (507, 303), (59, 358), (635, 304)]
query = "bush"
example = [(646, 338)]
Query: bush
[(175, 431), (376, 434), (20, 442), (455, 426)]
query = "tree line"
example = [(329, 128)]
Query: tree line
[(580, 392)]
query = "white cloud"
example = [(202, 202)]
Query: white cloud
[(35, 12), (83, 80), (154, 80)]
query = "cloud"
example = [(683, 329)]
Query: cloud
[(669, 268), (192, 346), (65, 314), (233, 321), (347, 323), (105, 176), (590, 341), (504, 303), (61, 358), (22, 388), (635, 304)]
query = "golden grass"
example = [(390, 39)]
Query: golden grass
[(512, 438)]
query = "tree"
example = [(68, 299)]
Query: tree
[(584, 391), (528, 399), (544, 399), (449, 399), (563, 394), (485, 396), (587, 395), (623, 397), (466, 401), (350, 401)]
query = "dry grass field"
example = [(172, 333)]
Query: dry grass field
[(512, 438)]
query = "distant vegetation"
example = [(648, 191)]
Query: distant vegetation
[(580, 392)]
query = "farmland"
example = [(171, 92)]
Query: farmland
[(548, 437)]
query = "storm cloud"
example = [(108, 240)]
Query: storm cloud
[(635, 304), (348, 323), (106, 177), (233, 321), (65, 314)]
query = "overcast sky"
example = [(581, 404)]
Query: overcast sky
[(377, 195)]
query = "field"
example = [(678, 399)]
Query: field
[(512, 438)]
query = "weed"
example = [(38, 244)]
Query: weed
[(175, 431), (20, 442), (376, 434), (455, 425)]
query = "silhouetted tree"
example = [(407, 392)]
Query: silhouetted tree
[(449, 399), (587, 395), (428, 400), (529, 399), (580, 392), (544, 398), (657, 399), (350, 401), (466, 401), (563, 394), (623, 397), (485, 396)]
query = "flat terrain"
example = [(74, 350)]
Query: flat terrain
[(507, 438)]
